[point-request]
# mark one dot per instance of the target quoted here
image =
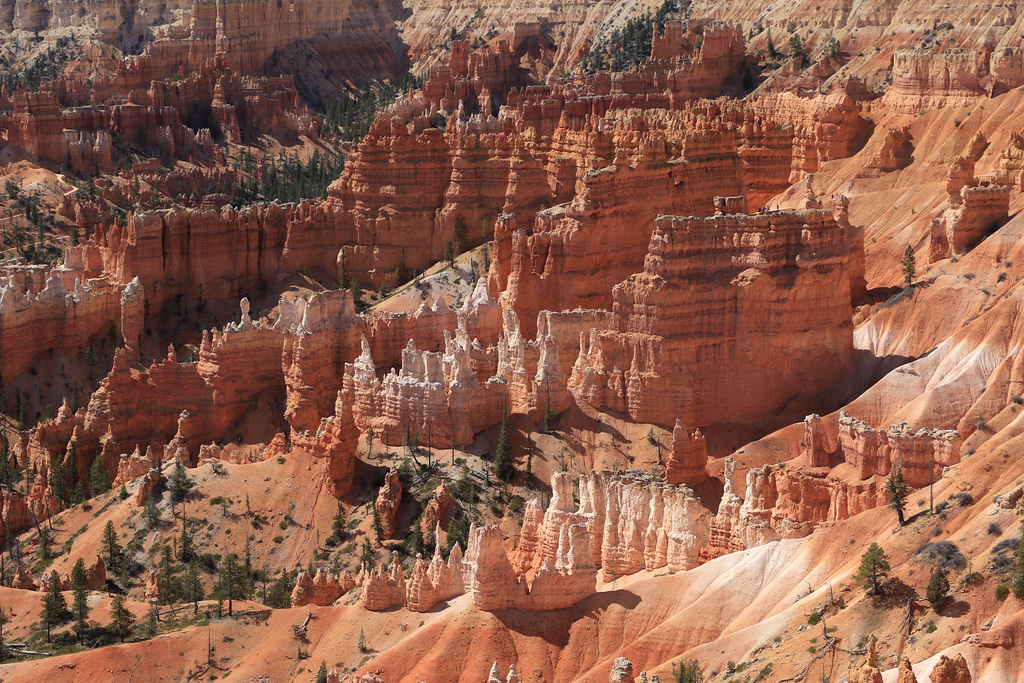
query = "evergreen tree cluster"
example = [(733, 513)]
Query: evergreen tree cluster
[(44, 68), (31, 246), (349, 118), (67, 487), (630, 46), (286, 179)]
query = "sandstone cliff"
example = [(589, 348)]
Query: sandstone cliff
[(663, 356)]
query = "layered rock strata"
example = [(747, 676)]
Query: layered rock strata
[(670, 351), (383, 588), (322, 589), (922, 453), (686, 463), (975, 210), (436, 581), (386, 506)]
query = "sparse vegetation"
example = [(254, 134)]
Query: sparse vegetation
[(44, 68), (687, 672), (630, 46), (908, 265), (286, 178), (349, 118), (944, 555)]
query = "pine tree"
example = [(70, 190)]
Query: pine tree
[(338, 527), (247, 584), (504, 468), (150, 512), (166, 569), (898, 491), (229, 581), (153, 620), (80, 604), (186, 550), (194, 586), (874, 567), (4, 620), (9, 475), (772, 52), (368, 556), (909, 263), (400, 271), (321, 674), (362, 642), (180, 483), (111, 548), (44, 543), (938, 590), (55, 607), (357, 296), (121, 618), (99, 480), (59, 481), (796, 46), (449, 254), (280, 595), (458, 532), (378, 528)]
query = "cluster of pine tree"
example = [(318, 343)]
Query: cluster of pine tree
[(33, 248), (44, 68), (630, 46), (349, 118), (287, 179)]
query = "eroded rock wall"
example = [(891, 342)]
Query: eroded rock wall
[(716, 294)]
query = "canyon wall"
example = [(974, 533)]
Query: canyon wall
[(354, 38), (718, 293), (922, 454)]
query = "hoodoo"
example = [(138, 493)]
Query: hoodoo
[(382, 342)]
